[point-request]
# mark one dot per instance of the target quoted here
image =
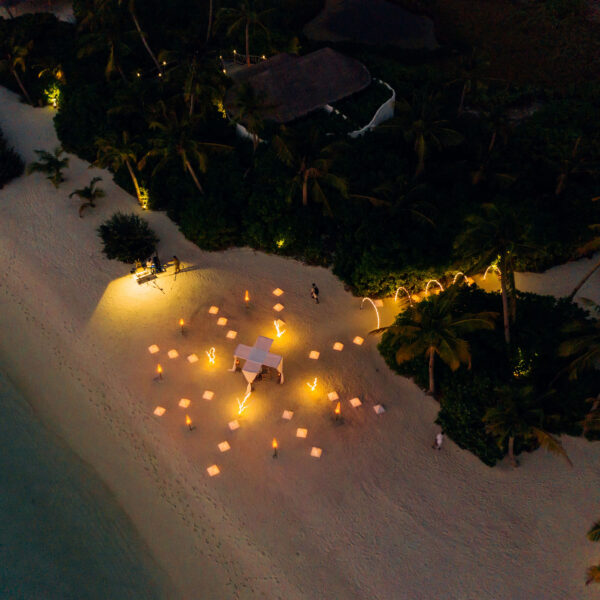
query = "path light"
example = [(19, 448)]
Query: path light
[(433, 281), (312, 385), (376, 311), (494, 268), (211, 356), (246, 298), (338, 411), (188, 422), (159, 370), (274, 448), (181, 324), (278, 324), (407, 293), (242, 406)]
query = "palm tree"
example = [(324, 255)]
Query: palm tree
[(174, 138), (110, 39), (114, 153), (248, 108), (131, 9), (495, 235), (516, 416), (312, 163), (578, 160), (433, 327), (50, 163), (202, 82), (471, 69), (90, 193), (423, 128), (583, 343), (243, 16), (14, 56)]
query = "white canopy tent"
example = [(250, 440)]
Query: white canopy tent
[(256, 356)]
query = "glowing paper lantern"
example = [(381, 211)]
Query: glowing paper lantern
[(277, 292), (316, 452), (355, 402), (208, 395), (192, 358), (184, 402), (278, 307), (213, 470), (213, 310), (338, 346), (314, 355), (358, 340), (153, 349), (231, 334), (287, 415), (378, 408), (159, 411), (211, 356), (172, 354), (224, 446), (301, 432), (332, 396), (221, 321), (233, 425)]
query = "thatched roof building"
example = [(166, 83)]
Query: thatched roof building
[(297, 85)]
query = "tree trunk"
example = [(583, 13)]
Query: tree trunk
[(580, 284), (492, 142), (135, 181), (144, 41), (192, 104), (511, 452), (9, 13), (193, 174), (14, 72), (561, 183), (248, 43), (210, 16), (505, 311), (305, 190), (431, 363), (122, 74)]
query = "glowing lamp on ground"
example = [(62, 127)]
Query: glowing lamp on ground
[(274, 444), (159, 411), (277, 292), (222, 321), (159, 371), (279, 327), (181, 324), (333, 396), (312, 385), (314, 354), (184, 402), (224, 446), (316, 452), (188, 422), (246, 297), (192, 358), (358, 340), (287, 415), (278, 307), (211, 356), (231, 334), (337, 411), (208, 395), (338, 346), (301, 432), (355, 402), (153, 349), (213, 470), (213, 310), (172, 354)]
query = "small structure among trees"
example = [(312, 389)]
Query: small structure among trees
[(294, 86)]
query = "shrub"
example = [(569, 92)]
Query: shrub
[(127, 238), (11, 164)]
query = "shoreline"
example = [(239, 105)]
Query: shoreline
[(369, 519)]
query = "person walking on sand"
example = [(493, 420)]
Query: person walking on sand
[(177, 264), (437, 443), (314, 293)]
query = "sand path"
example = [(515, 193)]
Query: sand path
[(379, 515)]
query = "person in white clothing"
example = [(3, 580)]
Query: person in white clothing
[(439, 438)]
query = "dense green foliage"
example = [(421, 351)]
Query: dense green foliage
[(127, 238), (401, 193), (11, 164), (466, 394)]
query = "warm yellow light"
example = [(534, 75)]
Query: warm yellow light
[(312, 385), (235, 51), (242, 406), (180, 322), (278, 325), (376, 311), (188, 421), (494, 268), (406, 292), (338, 409), (436, 282), (159, 369), (246, 296), (274, 443), (211, 356), (164, 62)]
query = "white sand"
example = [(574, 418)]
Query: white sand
[(380, 515)]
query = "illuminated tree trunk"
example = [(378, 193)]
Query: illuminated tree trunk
[(431, 352), (14, 72), (135, 181), (580, 284), (144, 41)]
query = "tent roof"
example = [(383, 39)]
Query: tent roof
[(297, 85)]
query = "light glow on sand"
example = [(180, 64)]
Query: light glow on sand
[(278, 327), (211, 355), (243, 405), (494, 268), (374, 307), (433, 281), (312, 385)]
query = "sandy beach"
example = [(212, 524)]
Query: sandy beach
[(379, 515)]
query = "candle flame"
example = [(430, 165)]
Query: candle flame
[(181, 322), (246, 297), (211, 356), (242, 406), (278, 324), (312, 385), (159, 369), (376, 311), (274, 443), (338, 409), (188, 421)]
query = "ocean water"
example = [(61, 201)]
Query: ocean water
[(62, 534)]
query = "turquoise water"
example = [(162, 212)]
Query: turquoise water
[(62, 534)]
